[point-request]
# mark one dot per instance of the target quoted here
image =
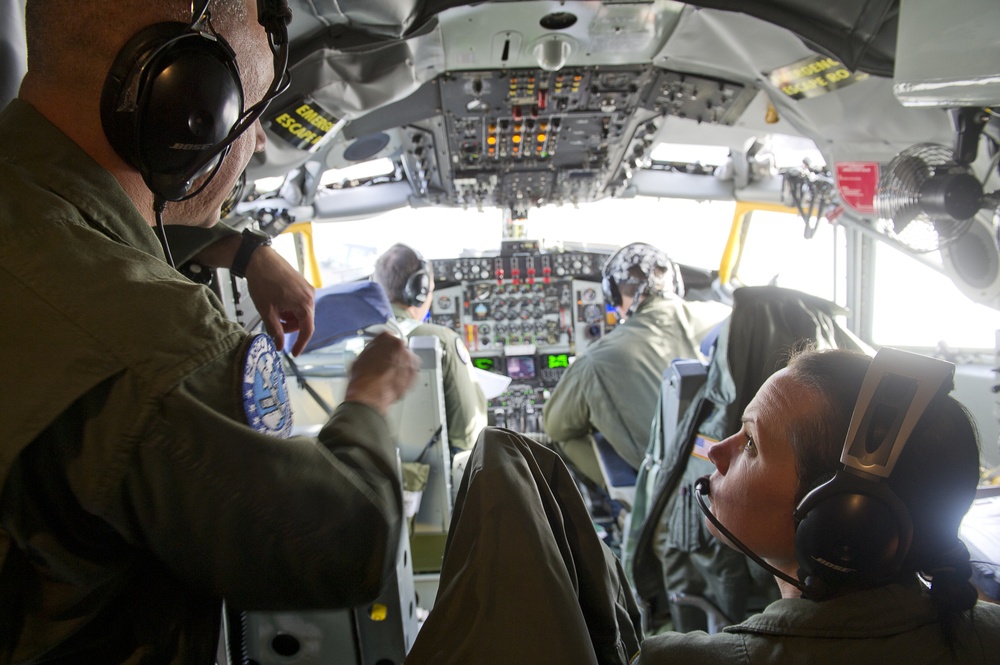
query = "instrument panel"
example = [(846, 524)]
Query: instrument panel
[(520, 138), (525, 316)]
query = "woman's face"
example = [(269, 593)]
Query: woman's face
[(754, 486)]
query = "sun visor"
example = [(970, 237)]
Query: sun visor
[(377, 18), (352, 83)]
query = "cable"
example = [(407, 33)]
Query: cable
[(702, 488), (159, 205)]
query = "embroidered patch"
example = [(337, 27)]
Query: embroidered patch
[(265, 393), (462, 351), (702, 444)]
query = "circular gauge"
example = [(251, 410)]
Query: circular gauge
[(591, 313), (482, 291), (589, 295)]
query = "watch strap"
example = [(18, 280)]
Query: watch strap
[(249, 243)]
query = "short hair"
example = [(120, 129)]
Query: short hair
[(394, 267), (67, 39), (935, 476)]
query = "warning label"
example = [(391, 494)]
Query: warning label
[(304, 124), (856, 184), (813, 76)]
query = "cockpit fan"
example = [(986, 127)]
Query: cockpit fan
[(928, 195), (925, 198)]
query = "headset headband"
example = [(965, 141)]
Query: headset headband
[(896, 391)]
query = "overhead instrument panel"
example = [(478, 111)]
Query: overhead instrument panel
[(699, 98), (524, 137)]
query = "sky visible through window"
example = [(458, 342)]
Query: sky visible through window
[(915, 305)]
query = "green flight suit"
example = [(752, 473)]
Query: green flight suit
[(464, 401), (891, 624), (525, 578), (614, 386), (134, 496)]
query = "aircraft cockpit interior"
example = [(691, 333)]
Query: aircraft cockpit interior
[(873, 125)]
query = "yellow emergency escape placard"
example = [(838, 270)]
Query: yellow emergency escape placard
[(303, 124), (813, 76)]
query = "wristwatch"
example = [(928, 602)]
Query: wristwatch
[(252, 239)]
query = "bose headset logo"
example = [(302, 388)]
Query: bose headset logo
[(190, 146), (833, 566)]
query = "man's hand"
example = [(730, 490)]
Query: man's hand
[(382, 373), (283, 297)]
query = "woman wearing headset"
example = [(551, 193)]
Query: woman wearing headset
[(910, 604)]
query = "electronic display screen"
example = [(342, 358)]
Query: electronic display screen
[(556, 360), (485, 364), (521, 367)]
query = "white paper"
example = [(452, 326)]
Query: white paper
[(492, 384)]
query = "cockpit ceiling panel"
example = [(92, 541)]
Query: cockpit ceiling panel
[(526, 137), (512, 35), (859, 33), (520, 103), (746, 49)]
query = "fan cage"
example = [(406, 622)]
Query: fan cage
[(897, 199)]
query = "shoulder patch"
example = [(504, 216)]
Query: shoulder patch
[(462, 351), (264, 391)]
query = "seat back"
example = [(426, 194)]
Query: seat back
[(681, 380), (619, 477), (681, 383), (420, 428)]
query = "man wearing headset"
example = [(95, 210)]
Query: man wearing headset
[(144, 476), (612, 388), (408, 280)]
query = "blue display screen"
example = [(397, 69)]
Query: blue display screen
[(521, 367)]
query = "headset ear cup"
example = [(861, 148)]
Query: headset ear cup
[(851, 533), (169, 103), (417, 288)]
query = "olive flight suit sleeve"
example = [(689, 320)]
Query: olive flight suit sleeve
[(266, 522), (186, 241), (567, 413), (464, 401), (567, 419)]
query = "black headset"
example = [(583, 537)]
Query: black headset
[(418, 284), (172, 103), (853, 531)]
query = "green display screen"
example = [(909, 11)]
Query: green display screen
[(487, 364), (557, 360)]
